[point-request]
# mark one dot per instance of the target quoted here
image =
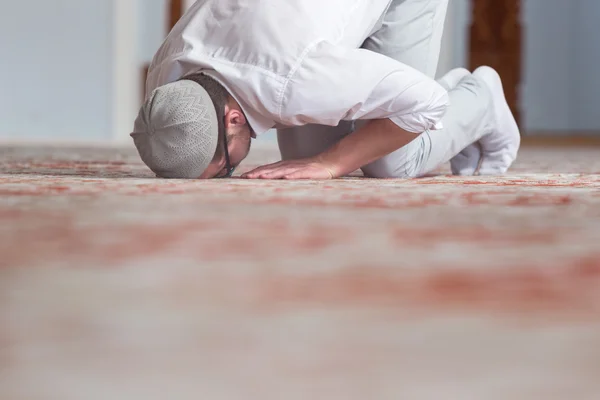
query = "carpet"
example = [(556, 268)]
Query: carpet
[(117, 285)]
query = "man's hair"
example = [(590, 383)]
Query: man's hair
[(219, 96)]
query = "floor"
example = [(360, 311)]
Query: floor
[(116, 285)]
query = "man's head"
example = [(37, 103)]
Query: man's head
[(191, 129)]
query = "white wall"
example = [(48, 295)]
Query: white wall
[(547, 90), (585, 65), (58, 71), (152, 27), (562, 52)]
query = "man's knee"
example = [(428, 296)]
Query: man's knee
[(286, 143), (390, 173), (388, 169), (296, 143), (310, 140), (404, 163)]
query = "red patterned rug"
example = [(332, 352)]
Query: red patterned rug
[(114, 284)]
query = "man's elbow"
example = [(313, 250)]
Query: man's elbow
[(427, 112), (436, 109)]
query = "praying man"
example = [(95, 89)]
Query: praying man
[(348, 84)]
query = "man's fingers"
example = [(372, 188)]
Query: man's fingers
[(303, 175), (266, 174), (273, 171), (277, 173), (257, 171), (309, 173), (296, 176), (289, 170)]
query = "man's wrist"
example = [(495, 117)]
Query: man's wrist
[(333, 162)]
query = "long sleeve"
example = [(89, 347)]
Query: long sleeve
[(333, 83)]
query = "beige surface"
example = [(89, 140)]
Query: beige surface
[(115, 285)]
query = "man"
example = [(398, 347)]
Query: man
[(341, 82)]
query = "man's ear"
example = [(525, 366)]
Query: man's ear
[(234, 118)]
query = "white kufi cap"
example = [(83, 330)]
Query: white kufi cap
[(176, 131)]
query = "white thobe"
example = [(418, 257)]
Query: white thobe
[(290, 63)]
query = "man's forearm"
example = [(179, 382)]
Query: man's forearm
[(374, 140)]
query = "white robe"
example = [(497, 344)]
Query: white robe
[(297, 62)]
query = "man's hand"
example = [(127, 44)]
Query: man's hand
[(307, 168)]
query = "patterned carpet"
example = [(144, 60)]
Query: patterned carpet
[(116, 285)]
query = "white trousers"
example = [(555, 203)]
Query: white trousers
[(411, 33)]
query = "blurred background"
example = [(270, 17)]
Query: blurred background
[(72, 70)]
